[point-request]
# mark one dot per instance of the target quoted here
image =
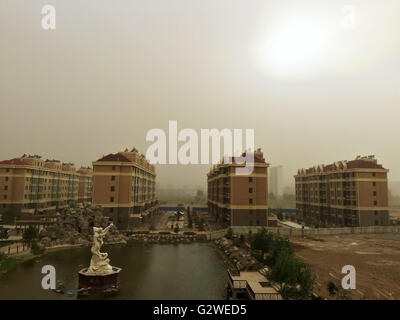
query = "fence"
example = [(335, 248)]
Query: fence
[(290, 232), (14, 248)]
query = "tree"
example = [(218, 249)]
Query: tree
[(229, 234), (35, 249), (332, 288), (262, 241), (29, 234), (9, 217), (280, 214), (293, 276), (190, 221), (271, 196), (200, 225), (3, 233)]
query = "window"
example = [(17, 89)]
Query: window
[(376, 212), (113, 178), (250, 201), (5, 196), (112, 188), (251, 222), (112, 199), (374, 184), (373, 174), (7, 170), (250, 179), (6, 178), (258, 222), (5, 187), (111, 209), (113, 167), (375, 203), (374, 193), (250, 190)]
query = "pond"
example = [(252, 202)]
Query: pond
[(158, 271)]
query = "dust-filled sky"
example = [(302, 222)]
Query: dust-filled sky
[(318, 81)]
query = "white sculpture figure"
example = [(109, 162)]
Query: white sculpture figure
[(99, 264)]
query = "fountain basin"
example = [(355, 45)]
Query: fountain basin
[(99, 281)]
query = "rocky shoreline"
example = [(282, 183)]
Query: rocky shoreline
[(157, 238), (236, 258), (74, 226)]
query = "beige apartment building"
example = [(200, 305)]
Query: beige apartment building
[(32, 185), (85, 187), (345, 193), (240, 200), (124, 186)]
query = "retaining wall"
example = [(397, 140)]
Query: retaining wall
[(290, 232)]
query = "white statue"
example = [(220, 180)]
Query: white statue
[(99, 264)]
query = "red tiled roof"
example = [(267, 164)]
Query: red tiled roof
[(15, 161), (115, 157), (329, 167), (363, 164)]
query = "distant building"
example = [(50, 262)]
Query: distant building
[(345, 193), (32, 185), (239, 200), (275, 180), (85, 187), (124, 185)]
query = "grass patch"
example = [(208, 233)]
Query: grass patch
[(7, 264), (315, 239), (6, 243)]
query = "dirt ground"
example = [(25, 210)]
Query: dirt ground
[(376, 259)]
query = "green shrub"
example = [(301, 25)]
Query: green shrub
[(236, 242), (3, 233), (36, 249), (30, 234), (7, 264), (176, 229), (229, 234)]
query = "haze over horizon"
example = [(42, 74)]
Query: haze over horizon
[(313, 91)]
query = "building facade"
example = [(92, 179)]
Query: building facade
[(346, 193), (275, 180), (85, 187), (124, 186), (32, 185), (239, 200)]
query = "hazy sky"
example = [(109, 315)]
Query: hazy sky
[(314, 87)]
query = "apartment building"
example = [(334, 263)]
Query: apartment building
[(85, 187), (239, 200), (124, 185), (32, 185), (344, 193)]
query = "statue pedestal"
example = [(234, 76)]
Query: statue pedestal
[(99, 281)]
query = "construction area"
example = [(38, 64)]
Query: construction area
[(375, 257)]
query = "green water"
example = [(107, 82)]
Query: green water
[(183, 271)]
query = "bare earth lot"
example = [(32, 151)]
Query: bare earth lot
[(376, 259)]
